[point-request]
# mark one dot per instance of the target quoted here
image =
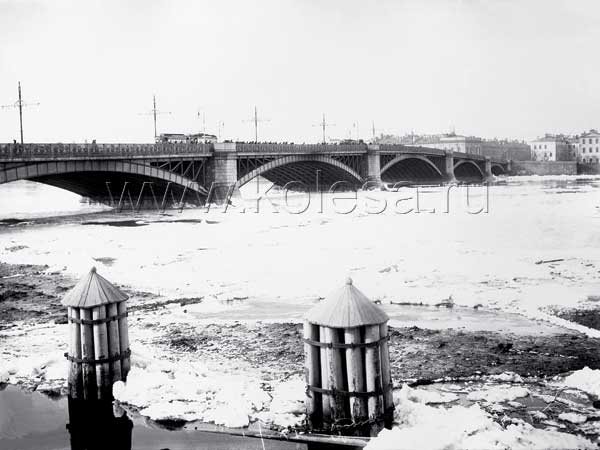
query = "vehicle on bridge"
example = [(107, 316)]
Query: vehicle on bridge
[(180, 138)]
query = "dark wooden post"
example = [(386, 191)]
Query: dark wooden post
[(356, 375), (114, 342), (87, 354), (373, 372), (313, 375), (124, 339), (76, 370)]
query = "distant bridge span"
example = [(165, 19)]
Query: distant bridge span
[(194, 172)]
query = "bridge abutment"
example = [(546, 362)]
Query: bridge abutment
[(223, 173)]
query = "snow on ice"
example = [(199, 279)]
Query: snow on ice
[(418, 425), (586, 379)]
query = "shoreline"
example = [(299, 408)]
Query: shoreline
[(30, 296)]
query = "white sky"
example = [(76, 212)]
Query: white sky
[(489, 68)]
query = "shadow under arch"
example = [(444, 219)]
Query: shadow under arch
[(312, 171), (468, 171), (106, 181), (413, 168)]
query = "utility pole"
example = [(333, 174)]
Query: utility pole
[(203, 121), (375, 130), (20, 104), (154, 112), (256, 120), (220, 126), (356, 125), (324, 126)]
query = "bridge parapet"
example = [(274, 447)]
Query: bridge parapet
[(263, 148), (66, 151)]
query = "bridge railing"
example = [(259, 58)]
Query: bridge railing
[(400, 148), (299, 148), (26, 151)]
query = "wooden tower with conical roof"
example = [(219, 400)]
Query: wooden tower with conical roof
[(348, 377), (99, 349)]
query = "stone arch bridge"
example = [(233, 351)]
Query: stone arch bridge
[(164, 174)]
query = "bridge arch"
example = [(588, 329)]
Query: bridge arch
[(411, 168), (103, 180), (304, 168), (468, 169), (497, 169)]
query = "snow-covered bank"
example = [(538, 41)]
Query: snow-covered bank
[(418, 425)]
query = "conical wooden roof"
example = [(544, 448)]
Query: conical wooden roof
[(346, 308), (93, 290)]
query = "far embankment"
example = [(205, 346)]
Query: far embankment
[(544, 168)]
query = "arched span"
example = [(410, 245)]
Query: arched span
[(466, 169), (106, 180), (411, 168), (306, 169), (497, 169)]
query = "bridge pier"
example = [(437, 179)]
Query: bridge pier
[(489, 176), (223, 173), (373, 166), (449, 167)]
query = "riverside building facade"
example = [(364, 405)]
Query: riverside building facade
[(552, 148), (588, 144)]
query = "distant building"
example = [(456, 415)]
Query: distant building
[(387, 139), (573, 142), (588, 145), (451, 141), (496, 148), (552, 148), (505, 149)]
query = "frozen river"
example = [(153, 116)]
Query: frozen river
[(489, 249)]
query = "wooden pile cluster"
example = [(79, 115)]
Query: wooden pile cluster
[(348, 377), (99, 348)]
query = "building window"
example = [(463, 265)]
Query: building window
[(583, 150)]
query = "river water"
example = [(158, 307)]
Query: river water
[(33, 421)]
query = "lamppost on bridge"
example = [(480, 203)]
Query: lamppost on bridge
[(20, 104)]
